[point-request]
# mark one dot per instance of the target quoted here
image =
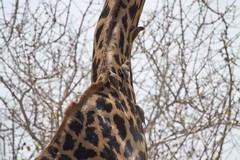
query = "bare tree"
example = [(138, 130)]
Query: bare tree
[(185, 64), (45, 62), (190, 79)]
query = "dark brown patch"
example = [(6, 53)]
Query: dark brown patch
[(53, 151), (84, 153), (119, 121), (124, 22), (133, 10), (102, 105), (69, 142), (135, 132), (98, 33), (91, 136), (105, 12), (128, 149), (121, 41), (90, 117), (75, 126), (141, 156), (108, 153), (64, 157)]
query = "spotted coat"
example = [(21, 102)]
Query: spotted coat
[(105, 123)]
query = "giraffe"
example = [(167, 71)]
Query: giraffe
[(106, 122)]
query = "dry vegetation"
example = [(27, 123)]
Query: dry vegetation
[(186, 66)]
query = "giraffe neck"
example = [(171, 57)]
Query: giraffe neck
[(114, 34)]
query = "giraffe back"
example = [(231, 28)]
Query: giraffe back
[(105, 127)]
